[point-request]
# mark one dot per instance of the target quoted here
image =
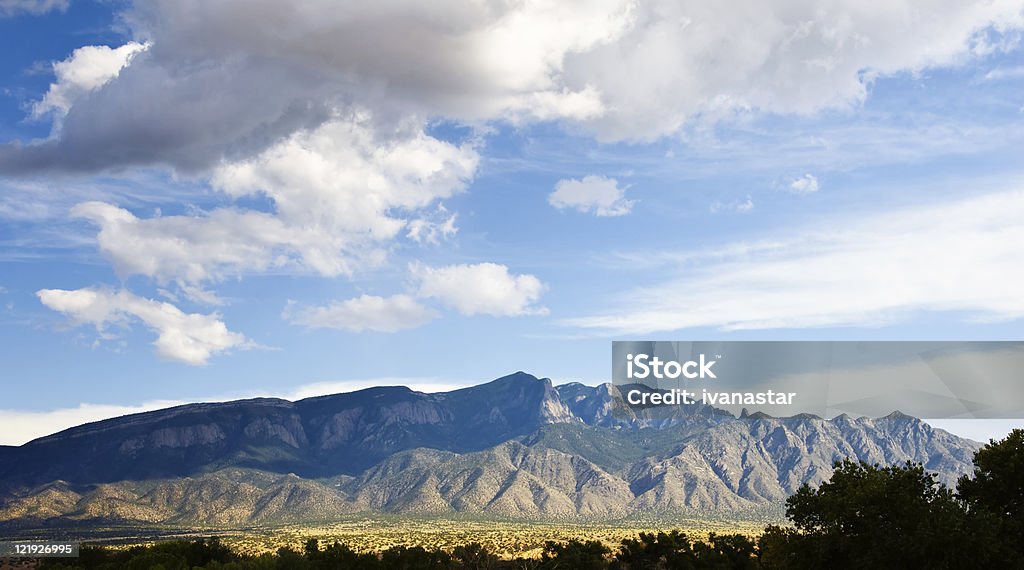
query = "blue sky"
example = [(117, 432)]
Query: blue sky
[(224, 199)]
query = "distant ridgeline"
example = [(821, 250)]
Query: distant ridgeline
[(516, 447)]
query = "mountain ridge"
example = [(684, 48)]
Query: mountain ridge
[(314, 437), (514, 447)]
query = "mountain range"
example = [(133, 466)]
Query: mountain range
[(516, 447)]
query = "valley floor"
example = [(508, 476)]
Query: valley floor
[(508, 539)]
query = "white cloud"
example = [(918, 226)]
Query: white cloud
[(1005, 73), (482, 288), (85, 70), (963, 257), (596, 194), (742, 206), (191, 249), (342, 194), (678, 60), (621, 69), (366, 312), (806, 184), (575, 105), (432, 228), (183, 337), (347, 176), (215, 87), (34, 7)]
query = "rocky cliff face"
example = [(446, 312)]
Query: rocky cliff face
[(515, 447)]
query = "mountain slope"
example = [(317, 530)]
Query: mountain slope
[(227, 497), (511, 479), (516, 447), (343, 433)]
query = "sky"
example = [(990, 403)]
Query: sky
[(206, 200)]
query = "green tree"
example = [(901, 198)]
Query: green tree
[(574, 555), (312, 549), (727, 552), (781, 548), (474, 556), (997, 490), (675, 551), (340, 557), (868, 516), (414, 558), (672, 550), (288, 559)]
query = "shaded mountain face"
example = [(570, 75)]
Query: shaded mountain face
[(515, 447), (316, 437)]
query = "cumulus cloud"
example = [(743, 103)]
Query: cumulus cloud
[(85, 70), (218, 83), (191, 250), (34, 7), (342, 193), (678, 60), (806, 184), (592, 194), (366, 312), (190, 338), (963, 257), (345, 175), (480, 289), (226, 81)]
